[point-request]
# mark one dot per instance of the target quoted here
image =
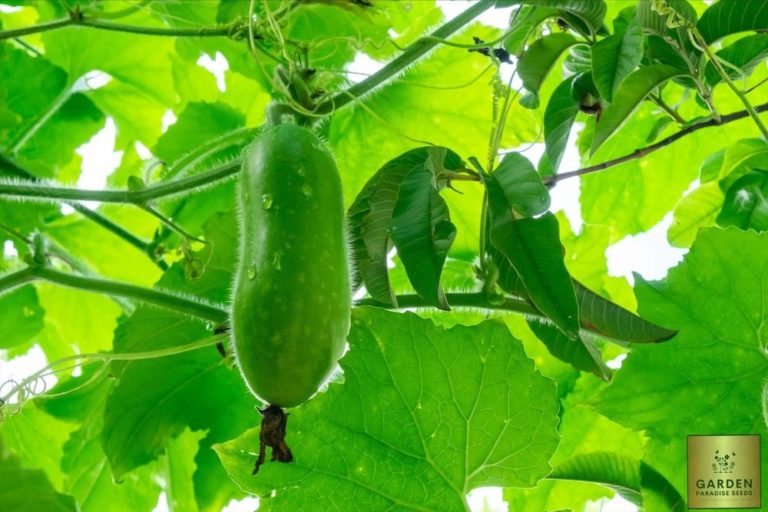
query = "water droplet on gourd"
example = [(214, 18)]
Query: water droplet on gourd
[(306, 190), (276, 257), (301, 172), (252, 272), (267, 201)]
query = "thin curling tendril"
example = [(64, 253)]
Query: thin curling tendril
[(35, 386)]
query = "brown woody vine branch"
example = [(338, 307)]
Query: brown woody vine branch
[(639, 153)]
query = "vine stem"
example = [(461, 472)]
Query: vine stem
[(727, 79), (405, 59), (161, 298), (639, 153), (98, 218), (459, 300), (141, 196), (77, 18)]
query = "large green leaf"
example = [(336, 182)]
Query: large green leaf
[(697, 210), (615, 57), (371, 214), (36, 438), (716, 365), (198, 390), (583, 431), (180, 463), (88, 476), (22, 316), (465, 408), (746, 205), (730, 16), (539, 59), (559, 116), (25, 490), (632, 479), (628, 97), (422, 231)]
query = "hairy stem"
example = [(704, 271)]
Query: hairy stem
[(145, 247), (164, 299), (459, 300), (79, 19), (639, 153), (137, 197), (405, 59)]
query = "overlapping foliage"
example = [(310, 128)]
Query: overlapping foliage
[(662, 100)]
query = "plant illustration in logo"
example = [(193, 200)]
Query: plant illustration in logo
[(723, 463)]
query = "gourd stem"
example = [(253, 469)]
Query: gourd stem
[(189, 306), (459, 300), (39, 191)]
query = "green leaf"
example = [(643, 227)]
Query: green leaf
[(451, 427), (612, 321), (22, 316), (422, 231), (371, 214), (743, 152), (559, 116), (630, 478), (25, 490), (628, 97), (745, 54), (731, 16), (37, 438), (615, 57), (590, 12), (579, 353), (89, 478), (532, 247), (521, 185), (364, 136), (716, 364), (525, 21), (180, 461), (583, 431), (746, 205), (710, 167), (198, 389), (652, 21), (196, 126), (695, 211), (539, 59)]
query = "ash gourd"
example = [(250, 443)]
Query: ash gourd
[(292, 294)]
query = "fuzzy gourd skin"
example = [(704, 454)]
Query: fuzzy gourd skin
[(291, 298)]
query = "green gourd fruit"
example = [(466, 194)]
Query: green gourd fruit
[(292, 295)]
